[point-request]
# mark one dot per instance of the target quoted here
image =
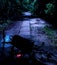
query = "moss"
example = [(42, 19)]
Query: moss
[(51, 34), (48, 31)]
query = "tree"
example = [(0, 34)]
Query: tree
[(9, 8)]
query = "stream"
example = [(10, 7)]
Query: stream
[(30, 28)]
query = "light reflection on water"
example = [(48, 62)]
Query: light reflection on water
[(7, 45), (29, 27), (27, 14), (7, 38)]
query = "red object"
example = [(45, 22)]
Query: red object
[(19, 55)]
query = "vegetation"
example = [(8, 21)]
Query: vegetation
[(12, 9), (9, 10), (51, 34)]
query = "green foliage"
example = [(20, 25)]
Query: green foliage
[(4, 24), (9, 8), (48, 31), (51, 35), (14, 8), (50, 8), (29, 5)]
